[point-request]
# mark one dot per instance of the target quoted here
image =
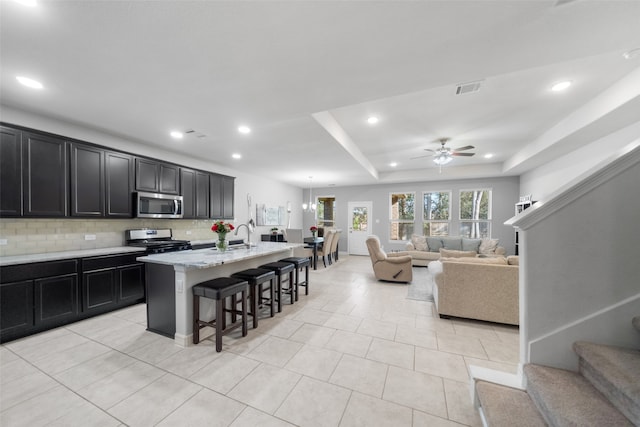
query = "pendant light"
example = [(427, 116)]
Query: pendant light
[(309, 207)]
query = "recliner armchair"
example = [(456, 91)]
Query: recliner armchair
[(393, 268)]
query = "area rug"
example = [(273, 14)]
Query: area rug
[(421, 287)]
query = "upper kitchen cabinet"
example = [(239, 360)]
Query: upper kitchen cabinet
[(119, 184), (156, 177), (222, 196), (10, 172), (194, 188), (202, 195), (87, 181), (101, 182), (44, 175)]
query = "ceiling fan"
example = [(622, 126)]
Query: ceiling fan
[(444, 155)]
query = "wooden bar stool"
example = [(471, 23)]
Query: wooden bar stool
[(220, 289), (300, 263), (256, 277), (282, 269)]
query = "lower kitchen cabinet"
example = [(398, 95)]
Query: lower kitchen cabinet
[(110, 282), (16, 308), (39, 296), (56, 300)]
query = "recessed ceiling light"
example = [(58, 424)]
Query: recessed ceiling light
[(244, 129), (488, 156), (560, 86), (372, 120), (393, 164), (633, 53), (176, 134), (34, 84), (236, 156), (30, 3)]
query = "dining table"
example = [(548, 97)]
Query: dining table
[(314, 243)]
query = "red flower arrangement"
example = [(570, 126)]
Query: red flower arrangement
[(313, 229), (222, 227)]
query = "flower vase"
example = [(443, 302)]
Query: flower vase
[(313, 235), (221, 246)]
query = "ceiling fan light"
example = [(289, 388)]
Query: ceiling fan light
[(442, 159)]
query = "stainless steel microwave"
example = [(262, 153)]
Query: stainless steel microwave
[(156, 205)]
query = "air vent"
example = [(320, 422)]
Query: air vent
[(195, 133), (464, 88), (563, 2)]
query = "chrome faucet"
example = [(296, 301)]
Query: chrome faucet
[(249, 231)]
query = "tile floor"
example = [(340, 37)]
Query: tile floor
[(355, 352)]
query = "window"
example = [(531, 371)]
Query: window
[(475, 213), (436, 213), (326, 211), (402, 216)]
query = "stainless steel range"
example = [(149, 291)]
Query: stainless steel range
[(156, 241)]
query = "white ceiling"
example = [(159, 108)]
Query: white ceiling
[(305, 75)]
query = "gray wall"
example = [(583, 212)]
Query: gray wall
[(505, 195)]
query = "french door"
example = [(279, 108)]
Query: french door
[(359, 227)]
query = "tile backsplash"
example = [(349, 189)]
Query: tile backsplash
[(31, 236)]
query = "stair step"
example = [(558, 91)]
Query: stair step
[(615, 372), (566, 398), (636, 323), (507, 407)]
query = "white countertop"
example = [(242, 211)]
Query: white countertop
[(54, 256), (205, 258)]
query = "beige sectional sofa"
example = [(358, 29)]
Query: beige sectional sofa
[(477, 288), (424, 249)]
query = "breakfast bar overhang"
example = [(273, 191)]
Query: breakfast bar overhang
[(170, 277)]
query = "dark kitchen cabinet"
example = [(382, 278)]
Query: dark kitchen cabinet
[(10, 172), (188, 192), (110, 282), (119, 184), (202, 195), (87, 181), (16, 308), (157, 177), (37, 296), (44, 175), (222, 196), (101, 182), (56, 300), (194, 186)]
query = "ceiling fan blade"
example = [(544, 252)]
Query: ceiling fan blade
[(467, 147), (429, 149), (420, 157), (463, 154)]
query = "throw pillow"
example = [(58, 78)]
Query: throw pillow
[(471, 244), (419, 242), (454, 243), (513, 260), (488, 246), (452, 253), (434, 243), (467, 260)]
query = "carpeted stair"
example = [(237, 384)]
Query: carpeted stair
[(506, 406), (605, 392), (615, 372)]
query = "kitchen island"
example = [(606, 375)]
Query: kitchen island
[(170, 277)]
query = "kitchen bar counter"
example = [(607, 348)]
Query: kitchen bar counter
[(54, 256), (211, 257), (170, 277)]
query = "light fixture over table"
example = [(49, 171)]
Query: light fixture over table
[(309, 207)]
